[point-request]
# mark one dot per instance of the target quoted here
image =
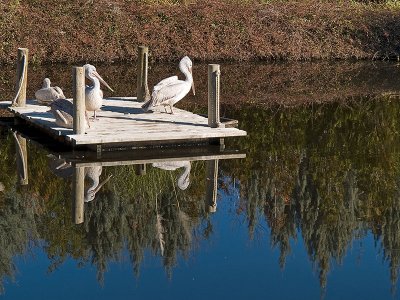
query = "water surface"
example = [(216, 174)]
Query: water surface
[(312, 211)]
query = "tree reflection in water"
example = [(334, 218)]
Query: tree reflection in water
[(327, 174), (331, 172)]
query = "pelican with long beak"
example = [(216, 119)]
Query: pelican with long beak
[(171, 90), (48, 93), (93, 93), (92, 175)]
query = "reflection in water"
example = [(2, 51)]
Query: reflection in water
[(183, 180), (22, 158), (92, 176), (327, 175), (59, 166)]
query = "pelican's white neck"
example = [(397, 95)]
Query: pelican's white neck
[(185, 70), (94, 80)]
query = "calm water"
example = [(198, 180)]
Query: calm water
[(312, 211)]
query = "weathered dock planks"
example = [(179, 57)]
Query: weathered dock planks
[(122, 121)]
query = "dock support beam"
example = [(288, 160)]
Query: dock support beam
[(22, 78), (142, 90), (213, 95), (78, 79), (212, 185), (78, 193)]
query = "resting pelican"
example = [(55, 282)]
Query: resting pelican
[(93, 93), (170, 90), (183, 180), (63, 111), (47, 93), (92, 174)]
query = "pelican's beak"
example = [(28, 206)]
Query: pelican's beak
[(101, 184), (102, 81), (191, 72)]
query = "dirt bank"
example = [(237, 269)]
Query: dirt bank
[(77, 31)]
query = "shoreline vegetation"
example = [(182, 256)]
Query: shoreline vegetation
[(216, 30)]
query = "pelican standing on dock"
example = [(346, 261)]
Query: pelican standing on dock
[(171, 90), (93, 93), (63, 111), (48, 93)]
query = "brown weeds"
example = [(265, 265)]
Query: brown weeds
[(77, 31)]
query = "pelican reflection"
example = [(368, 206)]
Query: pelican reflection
[(183, 179), (60, 167), (92, 178)]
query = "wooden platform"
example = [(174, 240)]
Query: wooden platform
[(122, 121)]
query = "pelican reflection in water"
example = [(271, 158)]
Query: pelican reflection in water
[(171, 90), (61, 168), (183, 180), (93, 93), (92, 177), (48, 93)]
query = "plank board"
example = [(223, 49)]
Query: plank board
[(122, 120)]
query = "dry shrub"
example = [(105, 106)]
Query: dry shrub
[(77, 31)]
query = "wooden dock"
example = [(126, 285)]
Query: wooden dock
[(123, 122)]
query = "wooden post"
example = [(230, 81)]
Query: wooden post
[(78, 78), (213, 95), (212, 185), (22, 77), (140, 169), (22, 159), (142, 90), (78, 186)]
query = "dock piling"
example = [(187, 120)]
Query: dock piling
[(142, 90), (213, 95), (78, 194), (212, 185), (22, 78), (78, 78)]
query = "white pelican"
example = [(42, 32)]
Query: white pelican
[(92, 174), (63, 111), (170, 90), (48, 93), (183, 180), (93, 93)]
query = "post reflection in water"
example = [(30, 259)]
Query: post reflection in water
[(325, 176)]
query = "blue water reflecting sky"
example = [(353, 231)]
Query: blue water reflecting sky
[(227, 265)]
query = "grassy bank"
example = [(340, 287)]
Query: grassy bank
[(77, 31)]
